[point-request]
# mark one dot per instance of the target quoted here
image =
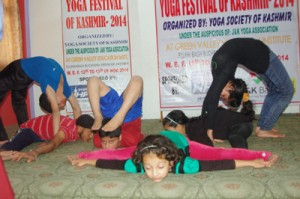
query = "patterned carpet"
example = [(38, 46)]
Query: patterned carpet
[(51, 176)]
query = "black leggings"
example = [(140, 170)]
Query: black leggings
[(14, 79), (21, 139), (239, 134)]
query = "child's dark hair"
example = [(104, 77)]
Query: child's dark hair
[(159, 145), (85, 121), (174, 118), (240, 95), (114, 133), (44, 103)]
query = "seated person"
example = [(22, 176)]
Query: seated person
[(125, 110), (157, 155), (40, 129)]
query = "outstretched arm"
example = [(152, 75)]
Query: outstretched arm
[(100, 163), (222, 71), (81, 162), (64, 86), (54, 107), (75, 106), (213, 165), (8, 155), (42, 148)]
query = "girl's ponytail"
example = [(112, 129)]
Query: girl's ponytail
[(247, 106)]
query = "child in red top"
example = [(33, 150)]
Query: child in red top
[(40, 129)]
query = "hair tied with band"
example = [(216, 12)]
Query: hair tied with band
[(171, 120), (245, 97), (151, 147)]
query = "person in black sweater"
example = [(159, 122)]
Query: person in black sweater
[(257, 57), (232, 126)]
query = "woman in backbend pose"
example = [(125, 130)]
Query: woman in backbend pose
[(257, 57)]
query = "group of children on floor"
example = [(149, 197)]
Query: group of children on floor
[(186, 145)]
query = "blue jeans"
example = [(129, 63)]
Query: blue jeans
[(280, 93)]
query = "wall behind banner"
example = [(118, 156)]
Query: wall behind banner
[(45, 38)]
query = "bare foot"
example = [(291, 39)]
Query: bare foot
[(274, 133), (257, 129), (269, 134), (97, 123), (275, 130), (260, 163), (113, 124), (273, 159)]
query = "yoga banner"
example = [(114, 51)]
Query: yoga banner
[(190, 31), (95, 43)]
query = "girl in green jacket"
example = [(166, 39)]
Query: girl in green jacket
[(167, 152)]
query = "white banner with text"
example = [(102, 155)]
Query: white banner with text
[(190, 31), (95, 43)]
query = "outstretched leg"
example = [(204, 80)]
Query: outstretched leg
[(131, 94), (96, 89), (108, 154), (202, 152)]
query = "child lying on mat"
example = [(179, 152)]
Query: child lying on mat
[(39, 129), (200, 151), (157, 155), (197, 151)]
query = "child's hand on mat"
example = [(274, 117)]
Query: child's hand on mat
[(80, 162), (75, 161), (8, 155), (218, 140), (30, 156)]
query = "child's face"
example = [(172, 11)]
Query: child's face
[(156, 168), (169, 128), (61, 101), (179, 128), (85, 134), (110, 142), (226, 92)]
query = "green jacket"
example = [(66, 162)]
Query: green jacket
[(186, 165)]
